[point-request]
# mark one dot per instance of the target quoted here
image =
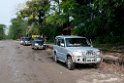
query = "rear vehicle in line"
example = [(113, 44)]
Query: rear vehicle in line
[(74, 50), (25, 41), (38, 43)]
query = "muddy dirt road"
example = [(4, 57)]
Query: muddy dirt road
[(21, 64)]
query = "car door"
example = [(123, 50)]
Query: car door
[(62, 49), (59, 48)]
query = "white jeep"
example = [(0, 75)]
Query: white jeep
[(75, 50)]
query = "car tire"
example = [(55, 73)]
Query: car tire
[(70, 64), (55, 57), (24, 44), (43, 48), (32, 47), (97, 65)]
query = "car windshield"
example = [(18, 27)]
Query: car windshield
[(26, 39), (76, 42), (38, 38)]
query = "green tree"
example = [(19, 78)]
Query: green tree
[(35, 12), (101, 20), (2, 31), (60, 16), (109, 18), (18, 28)]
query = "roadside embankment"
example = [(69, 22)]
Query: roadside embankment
[(116, 58), (111, 57)]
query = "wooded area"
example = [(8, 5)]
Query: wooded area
[(2, 31), (99, 20)]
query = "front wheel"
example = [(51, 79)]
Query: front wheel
[(32, 47), (70, 64), (55, 57), (97, 65), (24, 44)]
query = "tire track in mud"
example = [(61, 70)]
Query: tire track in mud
[(23, 71)]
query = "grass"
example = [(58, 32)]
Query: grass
[(104, 47), (110, 47)]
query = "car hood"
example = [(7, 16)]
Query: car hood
[(38, 40), (27, 40), (81, 49)]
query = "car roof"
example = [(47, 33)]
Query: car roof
[(25, 37), (38, 38), (69, 36)]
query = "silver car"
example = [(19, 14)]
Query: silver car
[(75, 50), (25, 41)]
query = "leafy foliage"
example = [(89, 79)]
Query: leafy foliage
[(100, 20), (2, 31), (34, 11), (104, 21), (17, 29)]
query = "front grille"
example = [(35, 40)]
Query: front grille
[(40, 42), (90, 53)]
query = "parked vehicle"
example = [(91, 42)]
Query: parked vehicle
[(38, 43), (25, 41), (74, 50)]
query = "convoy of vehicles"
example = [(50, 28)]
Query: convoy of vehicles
[(71, 50), (36, 41)]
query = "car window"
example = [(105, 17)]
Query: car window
[(38, 38), (26, 39), (59, 42), (62, 43), (76, 42)]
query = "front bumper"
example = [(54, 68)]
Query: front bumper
[(87, 60), (38, 46), (28, 43)]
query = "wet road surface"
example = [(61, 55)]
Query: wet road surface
[(21, 64)]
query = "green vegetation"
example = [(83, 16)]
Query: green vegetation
[(2, 31), (99, 20), (17, 29)]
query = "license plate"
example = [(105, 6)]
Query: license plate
[(90, 59), (40, 47)]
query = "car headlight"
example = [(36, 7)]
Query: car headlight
[(26, 41), (99, 59), (98, 52), (21, 41), (36, 44)]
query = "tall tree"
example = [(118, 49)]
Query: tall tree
[(2, 31), (61, 13), (101, 20), (35, 12), (18, 28), (109, 18)]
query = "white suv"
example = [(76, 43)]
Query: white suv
[(75, 49)]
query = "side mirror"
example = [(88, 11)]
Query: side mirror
[(91, 45), (62, 44)]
